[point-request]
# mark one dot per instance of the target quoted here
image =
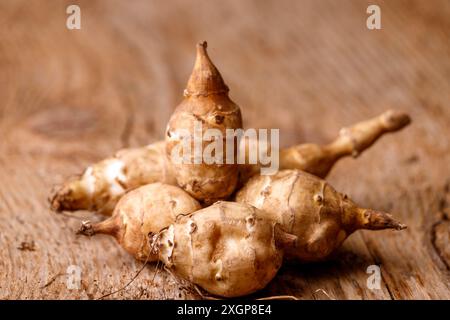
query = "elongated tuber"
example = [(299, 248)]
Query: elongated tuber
[(104, 183), (308, 207), (101, 186), (352, 141), (205, 103), (143, 211)]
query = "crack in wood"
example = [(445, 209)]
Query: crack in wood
[(443, 206), (386, 284), (376, 258), (377, 261)]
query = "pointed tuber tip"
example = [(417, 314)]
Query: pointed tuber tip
[(201, 47), (401, 226), (202, 54), (55, 204), (378, 220), (56, 198), (86, 229), (205, 78), (395, 120)]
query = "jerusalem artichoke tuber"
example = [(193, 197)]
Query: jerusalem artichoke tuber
[(352, 141), (102, 184), (205, 102), (228, 249), (143, 211), (311, 209)]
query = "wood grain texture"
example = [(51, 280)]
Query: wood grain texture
[(71, 97)]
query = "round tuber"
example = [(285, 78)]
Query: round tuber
[(205, 102), (229, 249)]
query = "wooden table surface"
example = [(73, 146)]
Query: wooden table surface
[(72, 97)]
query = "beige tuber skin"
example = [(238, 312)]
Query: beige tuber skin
[(102, 184), (205, 100), (99, 189), (352, 141), (143, 211), (228, 249), (308, 207)]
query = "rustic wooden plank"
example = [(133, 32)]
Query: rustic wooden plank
[(72, 97)]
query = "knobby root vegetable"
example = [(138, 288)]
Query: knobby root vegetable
[(228, 249), (352, 141), (143, 211), (308, 207), (205, 102), (99, 188), (102, 184)]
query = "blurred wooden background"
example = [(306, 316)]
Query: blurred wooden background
[(71, 97)]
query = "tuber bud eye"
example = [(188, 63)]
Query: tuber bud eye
[(193, 227), (266, 191), (318, 198), (250, 220), (219, 119)]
